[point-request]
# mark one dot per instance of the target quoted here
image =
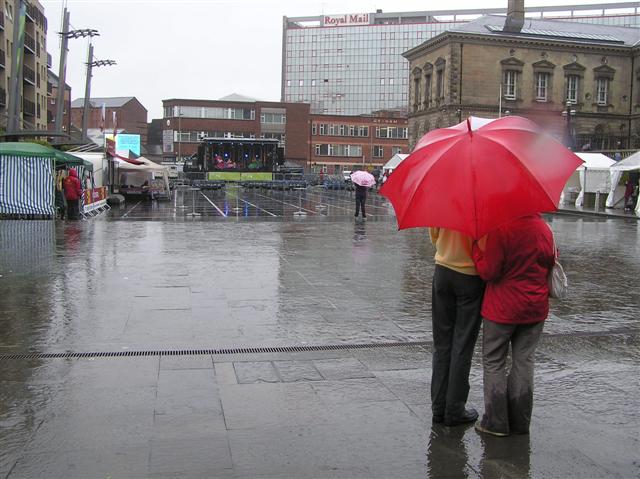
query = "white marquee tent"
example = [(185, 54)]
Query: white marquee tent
[(393, 163), (631, 163), (590, 177)]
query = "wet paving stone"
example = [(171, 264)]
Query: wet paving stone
[(146, 278)]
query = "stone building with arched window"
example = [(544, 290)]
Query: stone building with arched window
[(581, 81)]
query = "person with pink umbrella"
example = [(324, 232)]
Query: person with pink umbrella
[(363, 181)]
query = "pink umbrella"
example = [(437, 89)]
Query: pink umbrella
[(363, 178)]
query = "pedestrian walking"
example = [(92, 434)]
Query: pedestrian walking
[(361, 198), (455, 304), (73, 193), (515, 262)]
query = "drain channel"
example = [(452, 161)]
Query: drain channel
[(199, 352)]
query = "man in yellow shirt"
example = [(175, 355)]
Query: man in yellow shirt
[(456, 298)]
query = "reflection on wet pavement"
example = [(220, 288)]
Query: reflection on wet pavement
[(249, 274)]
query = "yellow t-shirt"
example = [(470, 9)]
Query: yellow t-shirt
[(453, 250)]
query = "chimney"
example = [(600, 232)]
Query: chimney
[(515, 16)]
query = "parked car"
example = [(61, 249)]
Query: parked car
[(346, 175)]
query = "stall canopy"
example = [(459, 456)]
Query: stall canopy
[(631, 163), (590, 177), (393, 163), (25, 149)]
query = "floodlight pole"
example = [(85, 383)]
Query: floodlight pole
[(62, 72), (87, 90)]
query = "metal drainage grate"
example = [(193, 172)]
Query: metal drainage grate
[(198, 352)]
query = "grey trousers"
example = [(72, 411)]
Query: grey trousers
[(508, 398), (456, 300)]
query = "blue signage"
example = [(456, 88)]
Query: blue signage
[(128, 142)]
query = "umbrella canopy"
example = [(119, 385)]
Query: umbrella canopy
[(363, 178), (479, 174), (41, 151)]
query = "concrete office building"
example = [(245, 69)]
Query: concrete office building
[(352, 64), (35, 61)]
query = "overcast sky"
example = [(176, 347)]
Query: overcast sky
[(202, 49)]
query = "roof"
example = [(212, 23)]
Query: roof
[(554, 30), (237, 97), (112, 102), (26, 149), (596, 161), (54, 80), (630, 163)]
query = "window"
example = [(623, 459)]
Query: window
[(427, 90), (602, 91), (301, 83), (313, 83), (288, 82), (510, 81), (416, 96), (542, 82), (381, 81), (439, 84), (572, 88), (390, 81), (314, 129), (378, 151)]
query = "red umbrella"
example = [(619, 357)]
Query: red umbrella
[(479, 174)]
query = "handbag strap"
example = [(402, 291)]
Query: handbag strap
[(553, 239)]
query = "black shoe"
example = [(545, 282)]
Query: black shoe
[(469, 415)]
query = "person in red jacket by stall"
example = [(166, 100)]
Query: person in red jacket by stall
[(72, 193), (515, 263)]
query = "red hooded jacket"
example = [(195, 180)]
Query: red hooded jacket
[(516, 263), (72, 186)]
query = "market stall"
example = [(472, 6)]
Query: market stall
[(630, 164), (27, 178), (142, 178), (590, 177)]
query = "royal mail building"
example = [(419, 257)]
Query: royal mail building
[(352, 64)]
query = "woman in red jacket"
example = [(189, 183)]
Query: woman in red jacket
[(515, 263), (72, 193)]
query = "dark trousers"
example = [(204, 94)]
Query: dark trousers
[(73, 209), (360, 200), (456, 301), (508, 399)]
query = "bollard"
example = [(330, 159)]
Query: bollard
[(597, 201)]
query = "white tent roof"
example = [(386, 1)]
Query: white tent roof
[(148, 165), (630, 163), (394, 161), (596, 161)]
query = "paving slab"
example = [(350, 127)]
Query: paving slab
[(308, 368)]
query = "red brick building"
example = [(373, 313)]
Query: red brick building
[(235, 116), (341, 143), (131, 114)]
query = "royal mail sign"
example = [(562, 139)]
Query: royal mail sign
[(348, 19)]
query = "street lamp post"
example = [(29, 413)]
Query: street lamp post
[(179, 135), (568, 113)]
